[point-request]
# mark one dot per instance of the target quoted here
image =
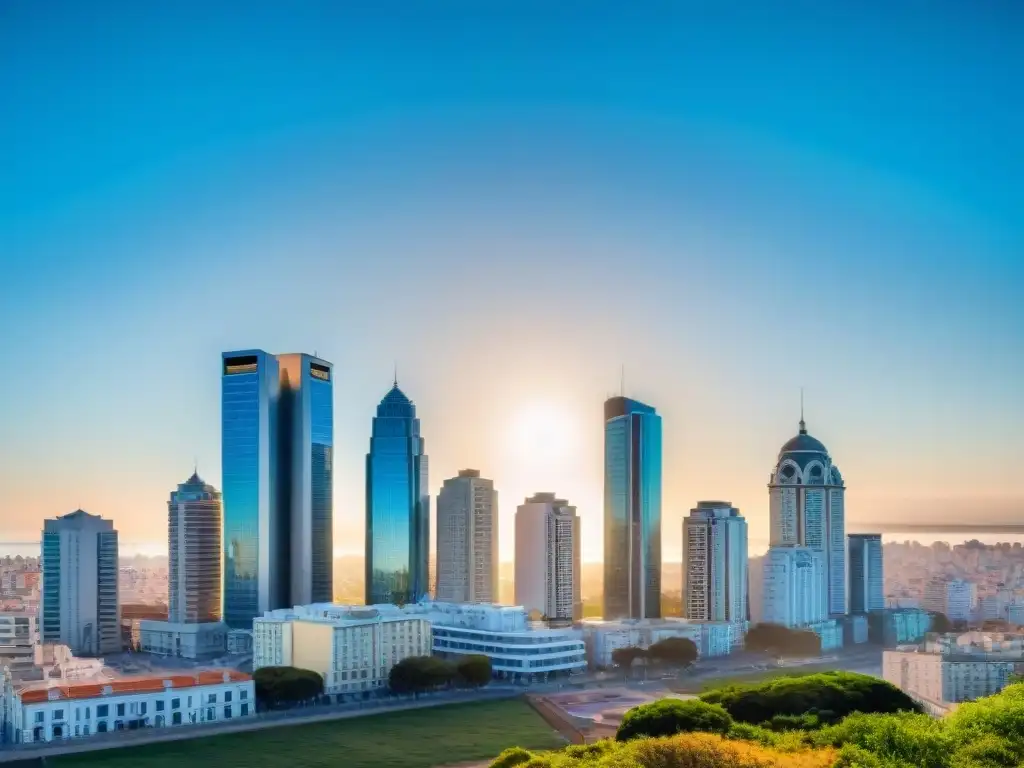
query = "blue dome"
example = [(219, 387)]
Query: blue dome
[(803, 443)]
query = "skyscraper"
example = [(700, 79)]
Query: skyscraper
[(715, 563), (806, 495), (194, 549), (78, 596), (867, 581), (467, 539), (256, 529), (306, 474), (632, 510), (793, 586), (397, 505), (547, 567)]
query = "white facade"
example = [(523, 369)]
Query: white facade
[(956, 598), (34, 712), (715, 563), (807, 509), (353, 655), (940, 681), (467, 539), (867, 580), (602, 638), (19, 637), (185, 641), (547, 566), (793, 582), (79, 604)]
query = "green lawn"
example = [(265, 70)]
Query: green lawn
[(420, 738)]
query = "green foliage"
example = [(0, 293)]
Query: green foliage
[(285, 685), (474, 670), (673, 650), (666, 717), (782, 641), (941, 623), (827, 695), (624, 657), (420, 673), (511, 757)]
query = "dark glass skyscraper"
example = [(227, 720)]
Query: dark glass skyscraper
[(306, 454), (397, 505), (256, 561), (632, 510)]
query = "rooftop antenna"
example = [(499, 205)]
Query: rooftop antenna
[(803, 425), (396, 373)]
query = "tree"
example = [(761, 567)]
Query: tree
[(941, 623), (277, 686), (625, 657), (782, 641), (420, 673), (829, 696), (474, 670), (674, 650), (667, 717)]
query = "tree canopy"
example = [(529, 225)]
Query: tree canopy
[(625, 657), (782, 641), (674, 650), (474, 670), (285, 685), (829, 696), (666, 717), (416, 674)]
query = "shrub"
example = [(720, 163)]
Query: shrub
[(830, 695), (511, 757), (783, 641), (901, 739), (420, 673), (670, 716), (474, 670)]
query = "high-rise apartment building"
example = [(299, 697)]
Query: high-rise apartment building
[(632, 510), (806, 496), (79, 598), (867, 581), (467, 539), (306, 434), (256, 530), (397, 505), (547, 567), (793, 587), (955, 598), (194, 552), (715, 563)]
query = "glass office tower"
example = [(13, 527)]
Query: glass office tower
[(397, 505), (255, 541), (632, 510), (306, 487)]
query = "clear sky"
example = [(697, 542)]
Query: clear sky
[(512, 200)]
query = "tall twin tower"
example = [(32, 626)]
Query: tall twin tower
[(277, 458)]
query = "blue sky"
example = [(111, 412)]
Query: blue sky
[(513, 200)]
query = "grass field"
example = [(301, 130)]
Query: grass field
[(420, 738)]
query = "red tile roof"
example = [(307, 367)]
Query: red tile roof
[(36, 693)]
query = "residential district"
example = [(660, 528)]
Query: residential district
[(92, 643)]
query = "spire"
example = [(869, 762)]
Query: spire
[(396, 373), (803, 424)]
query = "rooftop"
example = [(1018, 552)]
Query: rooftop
[(34, 693)]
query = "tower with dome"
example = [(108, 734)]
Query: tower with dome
[(807, 509)]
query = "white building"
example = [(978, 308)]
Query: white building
[(353, 652), (467, 539), (715, 563), (998, 606), (194, 628), (956, 598), (54, 710), (867, 591), (239, 641), (602, 638), (499, 632), (79, 590), (19, 637), (807, 509), (793, 581), (547, 580)]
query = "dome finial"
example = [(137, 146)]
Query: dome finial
[(803, 424)]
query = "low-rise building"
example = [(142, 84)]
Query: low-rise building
[(602, 638), (940, 681), (185, 641), (898, 627), (52, 711), (239, 641), (19, 636)]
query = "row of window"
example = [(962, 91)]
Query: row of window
[(133, 707)]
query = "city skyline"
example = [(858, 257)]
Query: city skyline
[(328, 181)]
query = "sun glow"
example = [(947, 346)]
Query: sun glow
[(543, 434)]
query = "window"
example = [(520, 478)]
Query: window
[(245, 710), (243, 695), (120, 710), (211, 699), (175, 703), (58, 714), (160, 706), (87, 711), (227, 696), (85, 729), (176, 718), (211, 713), (40, 716), (102, 710), (227, 712)]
